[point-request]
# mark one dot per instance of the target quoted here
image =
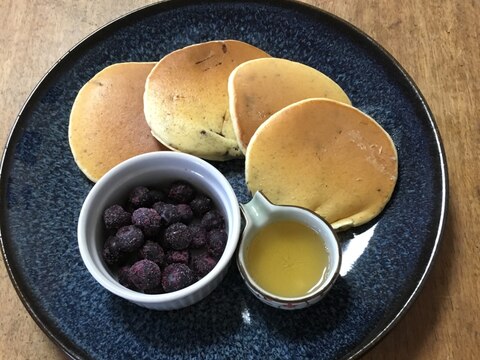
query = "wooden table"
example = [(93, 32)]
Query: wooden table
[(437, 42)]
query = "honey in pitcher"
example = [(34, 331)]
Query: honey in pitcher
[(287, 259)]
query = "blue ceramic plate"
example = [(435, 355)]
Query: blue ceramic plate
[(385, 261)]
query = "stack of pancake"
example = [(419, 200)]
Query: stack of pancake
[(304, 143)]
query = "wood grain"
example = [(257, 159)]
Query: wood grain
[(437, 42)]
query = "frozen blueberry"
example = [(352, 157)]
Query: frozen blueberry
[(124, 277), (148, 220), (156, 195), (129, 238), (163, 239), (145, 274), (212, 220), (177, 256), (202, 264), (176, 276), (139, 197), (177, 236), (152, 251), (184, 213), (168, 213), (199, 236), (115, 217), (201, 204), (181, 192), (216, 241), (112, 253)]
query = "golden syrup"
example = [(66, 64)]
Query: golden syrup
[(287, 259)]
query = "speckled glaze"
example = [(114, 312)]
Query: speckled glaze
[(385, 262)]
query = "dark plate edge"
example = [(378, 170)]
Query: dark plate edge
[(363, 348), (366, 346), (71, 349)]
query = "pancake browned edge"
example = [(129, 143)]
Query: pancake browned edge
[(326, 156), (107, 122), (186, 98), (261, 87)]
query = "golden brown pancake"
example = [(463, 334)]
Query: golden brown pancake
[(107, 122), (186, 98), (259, 88), (326, 156)]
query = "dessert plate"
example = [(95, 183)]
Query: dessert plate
[(385, 262)]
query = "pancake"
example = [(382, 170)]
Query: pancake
[(107, 123), (261, 87), (186, 98), (326, 156)]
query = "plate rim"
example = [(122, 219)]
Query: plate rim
[(70, 348)]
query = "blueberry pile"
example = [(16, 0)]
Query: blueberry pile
[(162, 240)]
